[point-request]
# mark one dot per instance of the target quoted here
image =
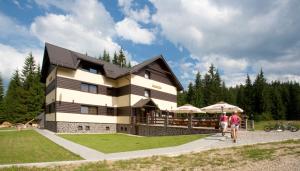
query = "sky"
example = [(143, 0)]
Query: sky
[(238, 37)]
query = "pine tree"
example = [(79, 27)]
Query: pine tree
[(33, 88), (294, 101), (28, 72), (1, 89), (212, 86), (190, 96), (217, 86), (115, 59), (14, 100), (129, 65), (277, 107), (198, 91), (207, 90), (121, 58), (36, 93), (105, 56), (248, 96), (240, 99), (181, 98), (2, 117), (261, 97)]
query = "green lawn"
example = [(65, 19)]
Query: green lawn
[(271, 155), (110, 143), (261, 124), (11, 128), (29, 146)]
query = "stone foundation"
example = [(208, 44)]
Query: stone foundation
[(143, 130), (51, 125), (148, 130), (84, 127), (124, 128)]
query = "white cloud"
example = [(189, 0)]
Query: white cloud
[(12, 59), (236, 37), (131, 30), (140, 15), (90, 30)]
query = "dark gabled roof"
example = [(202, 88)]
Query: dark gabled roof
[(70, 59), (138, 67), (59, 56)]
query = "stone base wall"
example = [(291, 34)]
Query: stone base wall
[(148, 130), (50, 125), (84, 127), (124, 128)]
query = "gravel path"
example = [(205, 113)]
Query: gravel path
[(211, 142)]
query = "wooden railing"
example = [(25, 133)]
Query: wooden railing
[(195, 122)]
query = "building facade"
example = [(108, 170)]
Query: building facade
[(85, 94)]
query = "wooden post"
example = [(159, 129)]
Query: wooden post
[(190, 124), (167, 119)]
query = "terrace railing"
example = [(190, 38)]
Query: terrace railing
[(179, 121)]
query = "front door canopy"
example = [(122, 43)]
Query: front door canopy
[(145, 103)]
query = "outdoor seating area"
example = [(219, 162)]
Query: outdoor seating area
[(191, 117)]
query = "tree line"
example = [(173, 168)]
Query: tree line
[(118, 58), (265, 101), (24, 98)]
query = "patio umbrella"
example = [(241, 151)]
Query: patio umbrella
[(187, 108), (221, 107)]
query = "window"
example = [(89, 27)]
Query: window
[(147, 93), (80, 128), (92, 70), (110, 111), (50, 108), (84, 87), (109, 91), (89, 88), (107, 128), (87, 128), (147, 74), (93, 110), (84, 109), (93, 89)]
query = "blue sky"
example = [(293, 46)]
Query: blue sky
[(238, 37)]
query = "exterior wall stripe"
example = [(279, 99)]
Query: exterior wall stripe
[(67, 83), (77, 117), (51, 87), (68, 107)]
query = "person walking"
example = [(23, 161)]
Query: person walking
[(234, 121), (223, 122)]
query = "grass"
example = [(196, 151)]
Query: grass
[(28, 146), (10, 128), (110, 143), (236, 158), (257, 154), (261, 124)]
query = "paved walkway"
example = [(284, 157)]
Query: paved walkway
[(84, 152), (211, 142)]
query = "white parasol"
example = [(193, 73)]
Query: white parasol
[(221, 107), (187, 108)]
